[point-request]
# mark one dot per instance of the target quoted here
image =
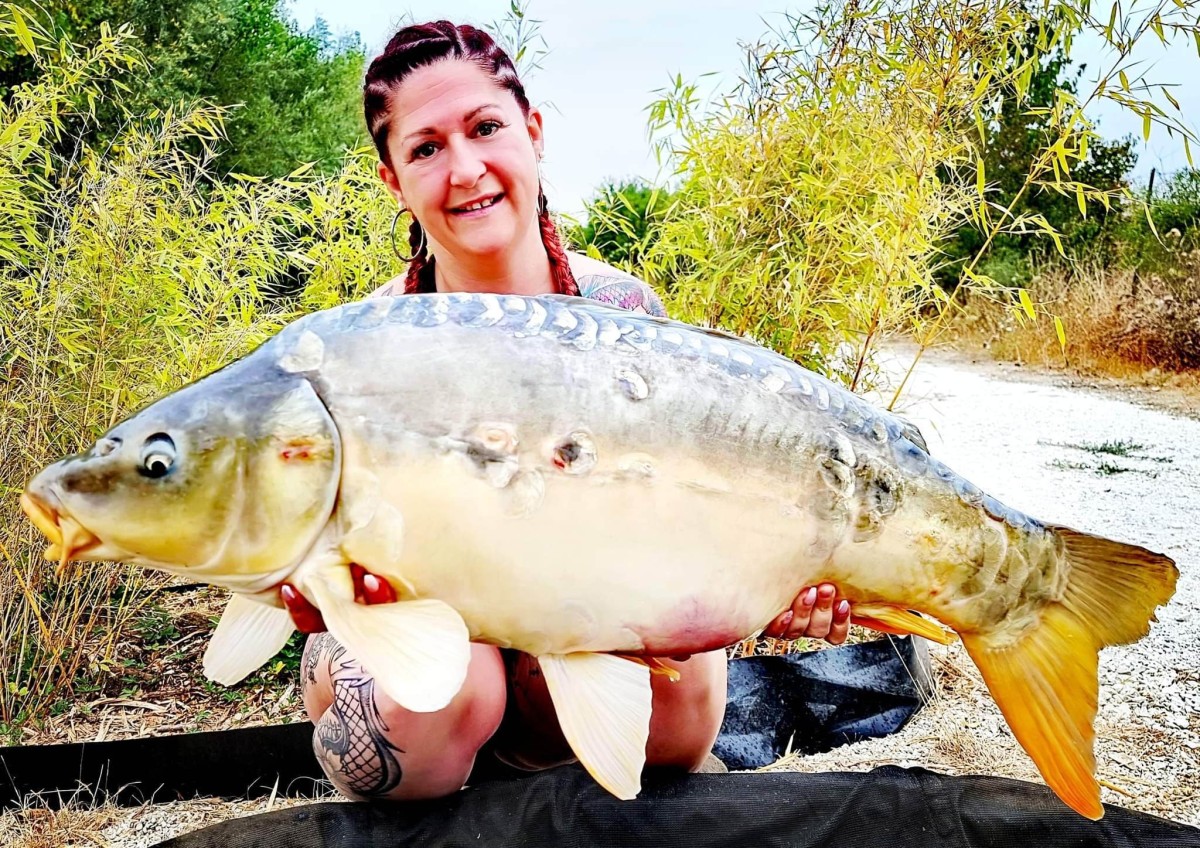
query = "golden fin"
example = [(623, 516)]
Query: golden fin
[(1115, 587), (655, 665), (887, 618), (603, 705), (1045, 685), (1045, 682)]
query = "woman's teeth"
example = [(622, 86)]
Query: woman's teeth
[(475, 207)]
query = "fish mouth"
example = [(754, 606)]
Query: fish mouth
[(68, 538)]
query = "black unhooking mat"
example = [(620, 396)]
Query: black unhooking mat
[(887, 808), (800, 702)]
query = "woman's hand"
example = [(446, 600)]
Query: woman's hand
[(816, 613), (368, 589)]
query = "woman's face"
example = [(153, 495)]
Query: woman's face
[(457, 140)]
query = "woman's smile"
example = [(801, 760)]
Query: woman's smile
[(477, 208)]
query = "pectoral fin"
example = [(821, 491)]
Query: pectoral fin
[(248, 635), (887, 618), (417, 651), (603, 705)]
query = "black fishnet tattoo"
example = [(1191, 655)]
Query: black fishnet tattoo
[(350, 738)]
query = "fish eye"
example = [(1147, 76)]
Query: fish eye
[(158, 456)]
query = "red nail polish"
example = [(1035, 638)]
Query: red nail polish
[(376, 590), (305, 616)]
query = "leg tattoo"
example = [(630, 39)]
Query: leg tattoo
[(350, 739)]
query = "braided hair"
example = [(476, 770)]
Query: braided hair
[(424, 44)]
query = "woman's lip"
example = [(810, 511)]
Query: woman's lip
[(496, 199)]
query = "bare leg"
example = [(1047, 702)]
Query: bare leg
[(684, 724), (370, 747)]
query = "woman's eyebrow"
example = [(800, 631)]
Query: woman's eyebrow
[(466, 117)]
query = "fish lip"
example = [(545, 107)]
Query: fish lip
[(68, 538), (43, 516)]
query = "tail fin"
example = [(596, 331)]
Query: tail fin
[(1045, 683)]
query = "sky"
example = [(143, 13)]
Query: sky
[(607, 60)]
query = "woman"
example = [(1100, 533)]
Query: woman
[(459, 147)]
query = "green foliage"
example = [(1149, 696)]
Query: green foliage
[(809, 203), (127, 270), (818, 202), (1017, 128), (623, 222), (297, 96)]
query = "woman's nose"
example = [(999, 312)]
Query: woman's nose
[(466, 166)]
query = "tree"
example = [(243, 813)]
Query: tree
[(623, 221), (296, 95), (1018, 129)]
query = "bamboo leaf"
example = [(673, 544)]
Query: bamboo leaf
[(1027, 303), (1061, 333), (22, 30), (1080, 199)]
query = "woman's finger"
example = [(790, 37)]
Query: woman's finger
[(802, 611), (305, 616), (822, 614), (840, 628)]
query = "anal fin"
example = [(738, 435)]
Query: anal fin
[(248, 634), (888, 618), (417, 650), (603, 704)]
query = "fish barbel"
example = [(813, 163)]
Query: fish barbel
[(589, 486)]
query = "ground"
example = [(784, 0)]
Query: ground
[(1119, 458)]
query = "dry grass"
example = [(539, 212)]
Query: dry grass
[(80, 824), (155, 685), (41, 827), (1117, 323)]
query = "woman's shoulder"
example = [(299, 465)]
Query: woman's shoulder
[(393, 286), (602, 282)]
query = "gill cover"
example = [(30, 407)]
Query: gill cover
[(290, 480)]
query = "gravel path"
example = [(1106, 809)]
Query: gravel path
[(1025, 442)]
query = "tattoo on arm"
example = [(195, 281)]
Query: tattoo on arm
[(351, 740), (624, 292)]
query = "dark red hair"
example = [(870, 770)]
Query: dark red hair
[(424, 44)]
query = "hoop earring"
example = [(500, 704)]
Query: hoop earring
[(420, 245)]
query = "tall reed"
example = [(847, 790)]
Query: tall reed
[(126, 272)]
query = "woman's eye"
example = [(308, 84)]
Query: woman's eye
[(488, 128), (424, 151)]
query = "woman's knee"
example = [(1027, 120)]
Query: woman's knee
[(371, 747), (687, 713)]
